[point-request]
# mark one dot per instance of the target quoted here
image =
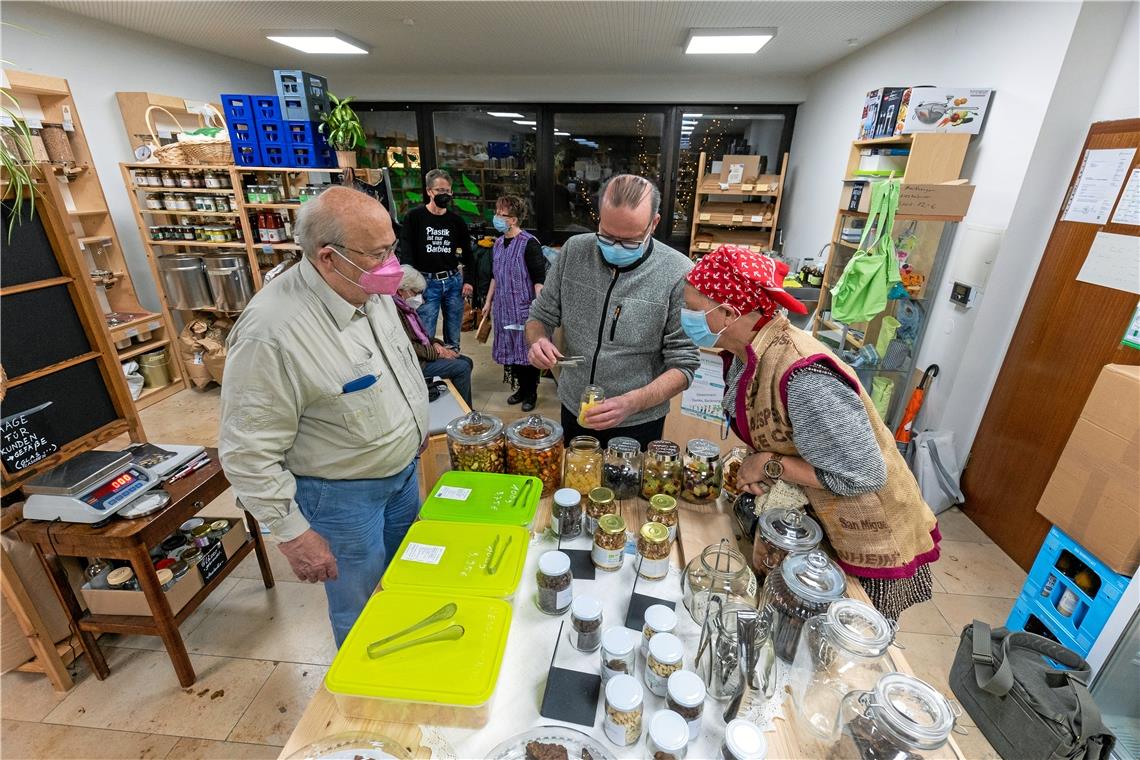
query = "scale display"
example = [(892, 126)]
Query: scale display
[(114, 493)]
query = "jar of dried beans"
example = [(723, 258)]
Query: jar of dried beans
[(661, 469), (534, 447), (658, 619), (475, 443)]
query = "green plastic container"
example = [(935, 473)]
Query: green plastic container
[(483, 497), (446, 683), (458, 558)]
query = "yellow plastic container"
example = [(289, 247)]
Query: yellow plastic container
[(444, 683), (463, 558)]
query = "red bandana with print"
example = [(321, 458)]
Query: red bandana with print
[(747, 281)]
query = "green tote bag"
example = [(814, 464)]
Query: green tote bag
[(861, 292)]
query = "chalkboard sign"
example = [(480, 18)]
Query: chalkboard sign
[(41, 328), (24, 255), (212, 561)]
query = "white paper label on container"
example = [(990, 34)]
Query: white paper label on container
[(33, 123), (757, 218), (423, 553), (453, 493), (7, 121)]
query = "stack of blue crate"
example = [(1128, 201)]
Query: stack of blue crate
[(1054, 605), (238, 110), (304, 100), (263, 135)]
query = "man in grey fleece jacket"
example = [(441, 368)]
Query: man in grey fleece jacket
[(617, 295)]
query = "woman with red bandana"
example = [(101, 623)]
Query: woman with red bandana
[(810, 423)]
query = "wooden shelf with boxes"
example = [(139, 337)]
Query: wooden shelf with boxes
[(740, 213), (932, 200), (91, 236)]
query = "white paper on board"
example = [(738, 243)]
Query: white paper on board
[(1098, 183), (423, 553), (1128, 210), (703, 396), (1113, 262)]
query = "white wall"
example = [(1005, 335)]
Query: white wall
[(1017, 48), (99, 60)]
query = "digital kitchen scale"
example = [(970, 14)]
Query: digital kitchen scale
[(87, 489)]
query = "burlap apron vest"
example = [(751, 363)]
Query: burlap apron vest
[(881, 534)]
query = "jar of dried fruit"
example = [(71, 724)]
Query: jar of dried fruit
[(621, 472), (534, 447), (668, 737), (583, 469), (663, 509), (566, 513), (701, 472), (600, 501), (475, 443), (617, 652), (591, 396), (653, 551), (661, 469), (731, 468), (608, 550)]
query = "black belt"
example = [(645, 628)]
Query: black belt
[(440, 275)]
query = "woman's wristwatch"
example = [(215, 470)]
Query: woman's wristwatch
[(774, 468)]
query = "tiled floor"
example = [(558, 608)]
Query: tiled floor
[(259, 654)]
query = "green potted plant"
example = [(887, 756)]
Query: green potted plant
[(342, 128)]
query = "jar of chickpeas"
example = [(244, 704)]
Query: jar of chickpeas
[(534, 447)]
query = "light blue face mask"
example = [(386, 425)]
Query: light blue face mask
[(696, 326), (621, 257), (501, 224)]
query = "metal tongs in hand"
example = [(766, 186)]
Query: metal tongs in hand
[(569, 361)]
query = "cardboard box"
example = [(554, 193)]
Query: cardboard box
[(1093, 493), (875, 110), (737, 169), (946, 109), (887, 117), (949, 199), (14, 648)]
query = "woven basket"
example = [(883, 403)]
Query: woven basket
[(214, 151)]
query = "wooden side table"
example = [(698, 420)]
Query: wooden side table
[(131, 540)]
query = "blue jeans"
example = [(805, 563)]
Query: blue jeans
[(364, 522), (448, 296), (458, 371)]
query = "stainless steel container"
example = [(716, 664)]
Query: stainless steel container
[(184, 280), (230, 281)]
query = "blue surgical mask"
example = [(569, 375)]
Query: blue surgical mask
[(501, 224), (696, 326), (620, 257)]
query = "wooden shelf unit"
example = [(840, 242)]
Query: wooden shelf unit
[(749, 222), (91, 236), (133, 106)]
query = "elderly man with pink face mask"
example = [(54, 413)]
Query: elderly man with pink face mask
[(324, 407)]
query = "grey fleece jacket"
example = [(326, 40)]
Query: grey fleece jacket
[(626, 322)]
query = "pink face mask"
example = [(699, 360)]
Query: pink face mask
[(382, 279)]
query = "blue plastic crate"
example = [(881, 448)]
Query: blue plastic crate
[(246, 155), (242, 132), (266, 107), (1028, 615), (274, 155), (304, 133), (237, 107), (271, 132), (304, 96), (311, 157)]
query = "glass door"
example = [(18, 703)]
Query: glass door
[(1114, 691), (391, 141)]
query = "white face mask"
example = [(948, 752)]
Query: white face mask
[(415, 301)]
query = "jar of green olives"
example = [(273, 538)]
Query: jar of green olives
[(701, 473), (661, 469)]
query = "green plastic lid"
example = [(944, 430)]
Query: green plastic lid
[(462, 672), (455, 557), (483, 497)]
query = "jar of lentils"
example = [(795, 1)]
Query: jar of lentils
[(661, 469), (701, 472), (583, 469)]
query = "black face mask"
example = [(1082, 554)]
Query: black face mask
[(442, 200)]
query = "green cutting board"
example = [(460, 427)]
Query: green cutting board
[(483, 497), (452, 557)]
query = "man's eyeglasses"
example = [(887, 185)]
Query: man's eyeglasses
[(629, 245), (378, 257)]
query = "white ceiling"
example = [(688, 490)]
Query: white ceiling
[(489, 37)]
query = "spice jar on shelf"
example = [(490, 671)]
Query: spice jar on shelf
[(903, 718), (743, 740), (621, 472), (841, 651), (780, 532), (583, 468), (585, 623), (663, 509), (667, 738), (663, 660), (653, 551), (600, 501), (658, 619), (624, 698), (685, 695), (591, 396), (608, 550), (804, 585), (475, 443), (617, 652), (534, 447), (566, 513), (701, 473), (661, 469), (554, 583), (731, 469)]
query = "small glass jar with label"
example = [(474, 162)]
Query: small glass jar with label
[(168, 179), (667, 738), (183, 178), (201, 535), (663, 509), (122, 579), (586, 624), (219, 528), (653, 551), (591, 397), (555, 583), (154, 202), (165, 578), (211, 180), (657, 619), (222, 204), (624, 699), (192, 556), (685, 695), (608, 550), (153, 178), (566, 513), (179, 568), (661, 469), (582, 470), (621, 472), (663, 660), (600, 501), (743, 740), (618, 652), (701, 473)]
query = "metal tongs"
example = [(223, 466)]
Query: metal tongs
[(747, 622), (377, 649), (569, 361)]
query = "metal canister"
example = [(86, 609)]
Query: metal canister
[(155, 368), (184, 280), (230, 281)]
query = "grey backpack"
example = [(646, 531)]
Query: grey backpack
[(1025, 707)]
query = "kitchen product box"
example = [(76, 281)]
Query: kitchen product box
[(880, 101), (887, 120), (882, 163), (442, 683), (464, 558), (946, 109), (1092, 495), (483, 497), (950, 199), (737, 169)]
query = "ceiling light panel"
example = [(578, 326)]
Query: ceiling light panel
[(318, 41), (525, 123), (506, 114), (728, 41)]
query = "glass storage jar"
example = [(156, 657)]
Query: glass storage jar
[(585, 623), (534, 447), (554, 581), (200, 536), (168, 179), (663, 660), (685, 695), (780, 532), (661, 469), (219, 528), (608, 550), (600, 501), (653, 551), (583, 468), (903, 718), (804, 585), (591, 396), (617, 652), (667, 738), (720, 571), (621, 472), (731, 469), (165, 578), (566, 513), (221, 204), (657, 619), (122, 579), (475, 443), (743, 740), (624, 698), (840, 651), (701, 474), (663, 509)]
